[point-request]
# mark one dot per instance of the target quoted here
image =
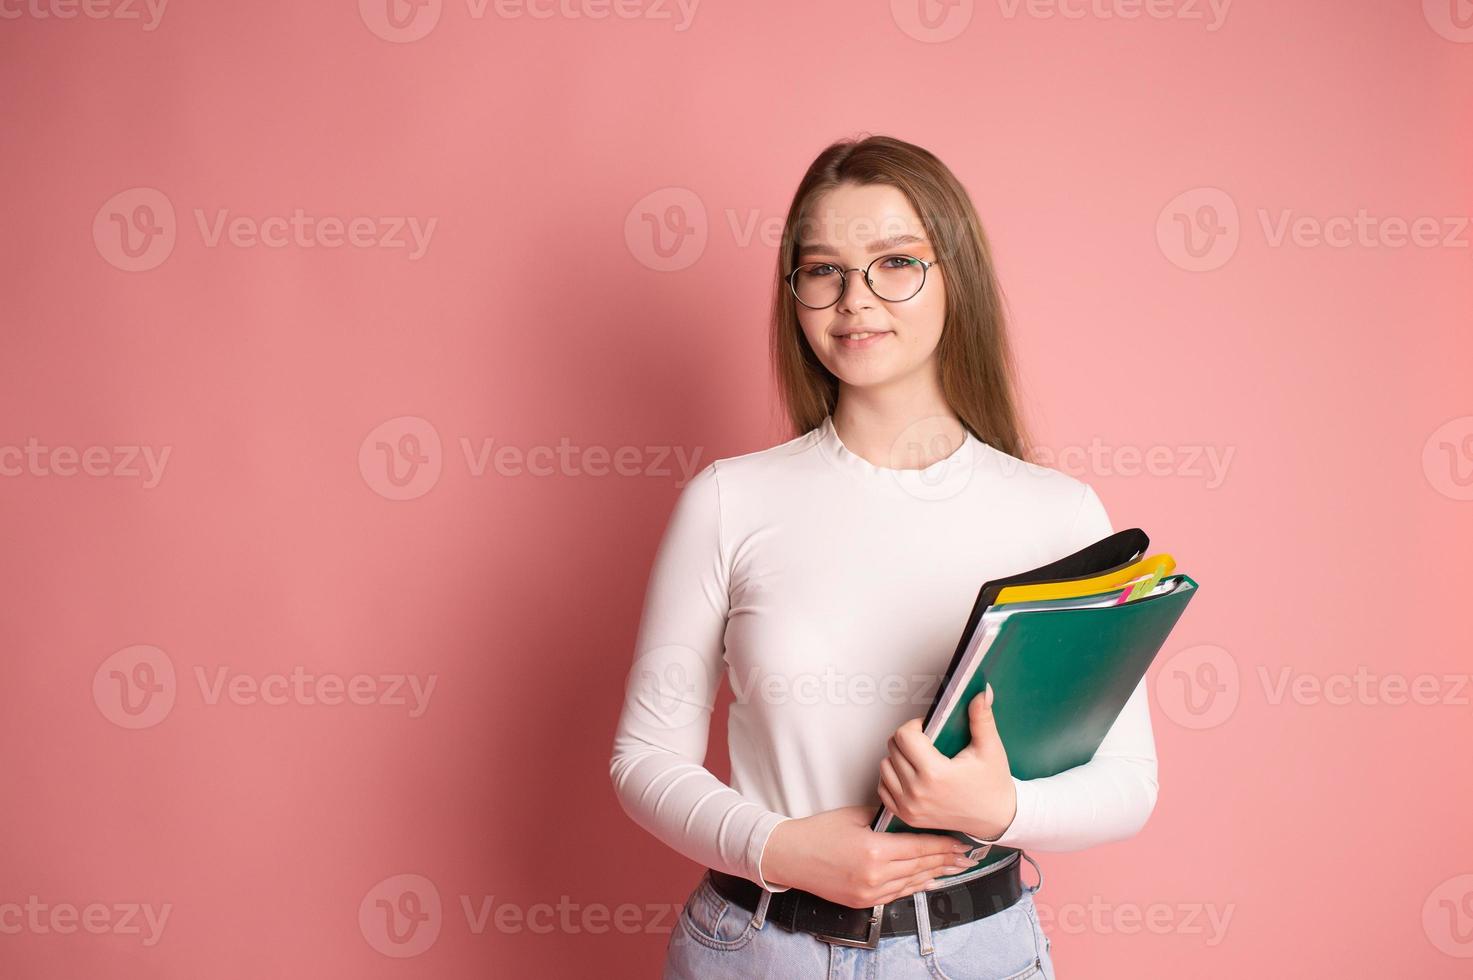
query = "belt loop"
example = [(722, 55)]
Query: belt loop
[(1035, 888), (760, 916), (923, 920)]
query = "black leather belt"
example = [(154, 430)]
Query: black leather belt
[(798, 910)]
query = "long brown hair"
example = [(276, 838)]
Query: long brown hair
[(978, 376)]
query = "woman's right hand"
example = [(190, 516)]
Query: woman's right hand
[(835, 855)]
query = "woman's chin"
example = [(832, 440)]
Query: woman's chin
[(859, 373)]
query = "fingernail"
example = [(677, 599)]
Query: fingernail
[(989, 693)]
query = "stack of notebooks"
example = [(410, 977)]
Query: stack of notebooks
[(1063, 647)]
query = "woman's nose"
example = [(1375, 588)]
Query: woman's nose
[(855, 290)]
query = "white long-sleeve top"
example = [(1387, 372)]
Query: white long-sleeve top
[(831, 592)]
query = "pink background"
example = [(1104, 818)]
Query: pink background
[(1333, 837)]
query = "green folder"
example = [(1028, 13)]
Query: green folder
[(1060, 674), (1060, 678)]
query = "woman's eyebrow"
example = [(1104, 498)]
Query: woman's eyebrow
[(814, 248)]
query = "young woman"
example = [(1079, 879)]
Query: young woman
[(830, 575)]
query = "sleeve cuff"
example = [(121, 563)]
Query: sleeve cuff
[(761, 850), (1017, 831)]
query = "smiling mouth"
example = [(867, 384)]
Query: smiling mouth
[(861, 335)]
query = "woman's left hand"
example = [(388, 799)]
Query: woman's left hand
[(972, 792)]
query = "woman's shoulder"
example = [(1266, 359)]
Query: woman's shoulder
[(774, 461), (1041, 484)]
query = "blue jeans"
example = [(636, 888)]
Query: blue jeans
[(715, 939)]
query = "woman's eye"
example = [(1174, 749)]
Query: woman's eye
[(896, 261), (820, 270)]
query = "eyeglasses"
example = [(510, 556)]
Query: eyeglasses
[(818, 285)]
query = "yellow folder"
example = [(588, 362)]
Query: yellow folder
[(1150, 565)]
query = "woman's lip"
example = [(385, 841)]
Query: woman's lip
[(875, 336)]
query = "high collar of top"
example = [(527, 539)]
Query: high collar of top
[(960, 458)]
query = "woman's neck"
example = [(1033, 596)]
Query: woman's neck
[(897, 429)]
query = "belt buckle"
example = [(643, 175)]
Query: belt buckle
[(870, 941)]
